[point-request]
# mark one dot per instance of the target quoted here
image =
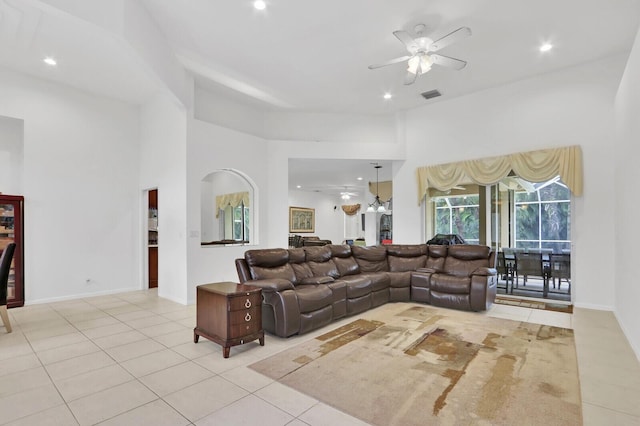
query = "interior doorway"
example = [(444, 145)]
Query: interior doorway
[(152, 238)]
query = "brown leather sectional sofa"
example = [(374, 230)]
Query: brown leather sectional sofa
[(307, 288)]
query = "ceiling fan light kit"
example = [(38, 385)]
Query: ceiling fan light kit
[(421, 56)]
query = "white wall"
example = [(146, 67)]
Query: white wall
[(211, 148), (627, 176), (11, 155), (80, 188), (570, 107), (163, 163)]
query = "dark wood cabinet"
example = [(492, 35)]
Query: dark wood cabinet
[(11, 230), (153, 238), (229, 314)]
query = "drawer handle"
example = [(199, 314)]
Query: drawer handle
[(247, 304), (247, 317)]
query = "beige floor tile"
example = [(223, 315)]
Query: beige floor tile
[(145, 322), (111, 402), (187, 312), (176, 338), (188, 322), (66, 352), (119, 339), (249, 410), (79, 365), (49, 331), (614, 397), (286, 398), (160, 329), (196, 350), (120, 307), (297, 422), (133, 350), (21, 404), (23, 380), (156, 413), (556, 319), (102, 321), (106, 330), (323, 415), (129, 316), (174, 378), (19, 363), (153, 362), (246, 378), (91, 382), (593, 415), (58, 341), (15, 350), (205, 397), (216, 363), (78, 320), (56, 416)]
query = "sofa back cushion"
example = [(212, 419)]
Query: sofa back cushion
[(436, 254), (402, 258), (343, 258), (462, 260), (320, 261), (371, 258), (297, 260), (269, 263)]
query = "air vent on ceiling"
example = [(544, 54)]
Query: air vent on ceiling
[(431, 94)]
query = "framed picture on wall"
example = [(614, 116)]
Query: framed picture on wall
[(302, 219)]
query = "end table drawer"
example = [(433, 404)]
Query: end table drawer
[(246, 316), (245, 302)]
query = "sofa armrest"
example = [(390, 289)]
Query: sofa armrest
[(317, 280), (272, 285), (486, 272)]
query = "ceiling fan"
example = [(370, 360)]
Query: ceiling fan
[(420, 49)]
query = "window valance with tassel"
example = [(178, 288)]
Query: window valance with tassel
[(534, 166), (234, 200), (350, 209)]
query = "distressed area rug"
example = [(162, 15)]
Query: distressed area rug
[(419, 365)]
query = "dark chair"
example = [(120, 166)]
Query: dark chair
[(504, 267), (5, 266), (560, 268), (530, 264)]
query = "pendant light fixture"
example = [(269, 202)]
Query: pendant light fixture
[(377, 205)]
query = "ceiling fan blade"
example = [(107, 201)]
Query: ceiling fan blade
[(448, 62), (391, 62), (410, 78), (450, 38), (407, 40)]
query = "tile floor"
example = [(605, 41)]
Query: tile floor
[(129, 359)]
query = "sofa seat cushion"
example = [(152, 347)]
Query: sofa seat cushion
[(379, 281), (450, 284), (399, 279), (357, 286), (312, 297)]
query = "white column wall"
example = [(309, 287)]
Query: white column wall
[(627, 176), (212, 148), (573, 106), (80, 187), (163, 163)]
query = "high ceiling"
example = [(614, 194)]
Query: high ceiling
[(299, 55), (304, 56)]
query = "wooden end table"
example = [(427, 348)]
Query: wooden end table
[(229, 314)]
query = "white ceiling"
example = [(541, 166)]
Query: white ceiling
[(300, 55)]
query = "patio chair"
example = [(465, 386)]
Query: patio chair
[(531, 265), (560, 268)]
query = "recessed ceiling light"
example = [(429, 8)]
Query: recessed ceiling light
[(259, 4), (387, 96), (50, 61), (298, 186), (359, 178), (546, 47)]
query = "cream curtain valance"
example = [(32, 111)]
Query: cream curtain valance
[(534, 166), (234, 200), (385, 189)]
